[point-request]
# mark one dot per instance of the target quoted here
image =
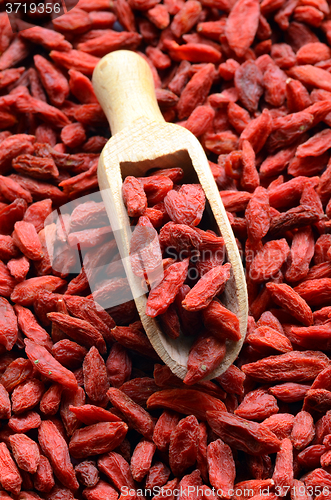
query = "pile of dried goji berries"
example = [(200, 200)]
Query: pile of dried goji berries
[(87, 408), (190, 255)]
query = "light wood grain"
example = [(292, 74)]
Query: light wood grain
[(143, 140)]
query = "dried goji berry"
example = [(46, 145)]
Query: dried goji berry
[(293, 366), (265, 339), (70, 422), (43, 479), (26, 395), (136, 416), (281, 424), (117, 469), (205, 355), (141, 459), (79, 330), (185, 206), (174, 277), (257, 405), (5, 405), (244, 12), (47, 365), (56, 450), (291, 301), (90, 414), (269, 260), (223, 480), (243, 434), (187, 401), (97, 439), (221, 322), (157, 475), (31, 328), (118, 365), (50, 402), (132, 337), (25, 451), (248, 81), (10, 477), (195, 91), (8, 325), (95, 376), (87, 473), (283, 472), (164, 426), (134, 196), (303, 430), (211, 284)]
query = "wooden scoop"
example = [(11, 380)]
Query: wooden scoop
[(142, 140)]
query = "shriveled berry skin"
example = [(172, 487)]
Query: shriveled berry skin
[(184, 438), (134, 197), (88, 410)]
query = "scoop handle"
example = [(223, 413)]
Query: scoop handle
[(124, 86)]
